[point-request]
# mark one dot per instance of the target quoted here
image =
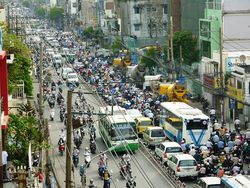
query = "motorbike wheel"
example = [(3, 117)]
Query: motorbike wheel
[(61, 152)]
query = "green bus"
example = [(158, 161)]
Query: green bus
[(115, 127)]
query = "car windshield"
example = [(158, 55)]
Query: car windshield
[(157, 133), (173, 150), (214, 186), (72, 76), (187, 163)]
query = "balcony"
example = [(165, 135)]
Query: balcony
[(235, 93), (211, 81)]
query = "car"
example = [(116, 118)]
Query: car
[(183, 165), (72, 78), (57, 60), (65, 71), (153, 136), (167, 149), (141, 124), (208, 182)]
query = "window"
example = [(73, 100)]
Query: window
[(136, 10), (137, 27), (187, 163), (196, 124), (148, 9), (249, 87), (173, 150), (165, 9), (157, 133), (153, 9)]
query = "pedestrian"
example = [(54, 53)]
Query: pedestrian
[(237, 125), (220, 172)]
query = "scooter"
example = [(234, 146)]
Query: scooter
[(131, 182), (61, 116), (87, 158), (75, 160), (61, 148), (82, 131), (100, 171), (123, 170), (52, 115), (92, 147)]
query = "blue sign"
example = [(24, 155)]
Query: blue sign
[(230, 64), (1, 40), (231, 103), (134, 59)]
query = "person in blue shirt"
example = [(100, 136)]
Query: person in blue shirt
[(221, 144)]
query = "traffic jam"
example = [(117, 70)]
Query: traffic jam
[(136, 112)]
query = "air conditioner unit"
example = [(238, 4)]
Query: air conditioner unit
[(10, 58)]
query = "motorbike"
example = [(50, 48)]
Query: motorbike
[(92, 147), (52, 115), (82, 131), (51, 102), (100, 171), (61, 116), (77, 143), (106, 183), (87, 158), (131, 182), (35, 160), (61, 148), (75, 160), (123, 170)]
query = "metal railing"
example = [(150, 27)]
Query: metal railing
[(213, 5), (18, 92)]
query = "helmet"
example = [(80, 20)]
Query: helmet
[(86, 148), (91, 181)]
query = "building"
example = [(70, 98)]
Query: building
[(86, 15), (145, 21), (175, 11), (209, 28), (191, 12), (53, 3)]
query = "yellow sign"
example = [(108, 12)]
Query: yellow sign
[(217, 82)]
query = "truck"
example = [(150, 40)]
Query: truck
[(174, 92), (123, 59)]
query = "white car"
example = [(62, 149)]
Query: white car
[(183, 165), (167, 149), (153, 136), (72, 78), (65, 71)]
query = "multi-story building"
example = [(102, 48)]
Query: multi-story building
[(86, 15), (145, 20), (209, 28)]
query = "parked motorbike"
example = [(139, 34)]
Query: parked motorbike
[(82, 131), (52, 115), (35, 158), (87, 157), (92, 147), (61, 116)]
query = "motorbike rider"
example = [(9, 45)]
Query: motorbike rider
[(75, 154), (104, 157), (126, 156), (52, 114), (77, 139), (92, 130), (123, 166), (106, 178), (91, 184), (62, 135)]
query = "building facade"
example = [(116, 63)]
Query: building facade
[(209, 28), (145, 20)]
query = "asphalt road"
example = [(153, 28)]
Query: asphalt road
[(146, 174)]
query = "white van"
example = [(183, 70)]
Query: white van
[(153, 136), (183, 165), (57, 60), (151, 78), (65, 71), (72, 78), (208, 182), (167, 149)]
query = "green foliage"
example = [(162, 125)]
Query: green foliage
[(27, 3), (117, 45), (190, 51), (20, 69), (21, 131), (56, 14), (40, 12), (150, 58)]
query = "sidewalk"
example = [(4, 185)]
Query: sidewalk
[(9, 185)]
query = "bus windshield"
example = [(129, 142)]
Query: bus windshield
[(122, 131), (196, 124)]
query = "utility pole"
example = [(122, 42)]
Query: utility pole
[(46, 134), (222, 102), (181, 59), (8, 18), (68, 140), (16, 26), (172, 50)]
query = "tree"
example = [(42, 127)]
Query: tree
[(89, 32), (56, 14), (190, 52), (117, 45), (21, 131), (40, 12), (21, 67), (150, 58)]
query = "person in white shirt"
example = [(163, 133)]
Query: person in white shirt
[(192, 151)]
